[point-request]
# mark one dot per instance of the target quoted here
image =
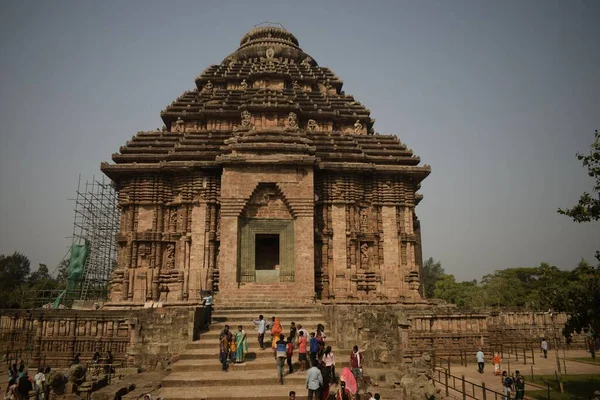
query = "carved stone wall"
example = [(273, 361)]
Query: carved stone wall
[(146, 338), (168, 240), (369, 247)]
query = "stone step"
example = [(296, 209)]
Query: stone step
[(264, 392), (231, 378), (273, 310), (254, 352), (290, 316), (309, 325), (256, 364), (213, 342)]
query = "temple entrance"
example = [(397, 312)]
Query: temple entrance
[(267, 252)]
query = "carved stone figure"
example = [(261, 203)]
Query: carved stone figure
[(358, 126), (173, 219), (244, 85), (246, 123), (364, 219), (364, 255), (208, 87), (170, 256), (295, 86), (312, 125), (270, 53), (292, 120), (179, 125), (306, 61)]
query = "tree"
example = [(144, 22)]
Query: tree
[(588, 207), (432, 272), (41, 275), (581, 296), (14, 270)]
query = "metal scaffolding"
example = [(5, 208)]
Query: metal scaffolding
[(96, 223)]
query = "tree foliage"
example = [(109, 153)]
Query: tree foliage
[(432, 272), (19, 287)]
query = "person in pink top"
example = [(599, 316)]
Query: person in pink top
[(329, 360), (302, 350)]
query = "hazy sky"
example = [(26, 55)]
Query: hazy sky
[(497, 96)]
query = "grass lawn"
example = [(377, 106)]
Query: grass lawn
[(577, 387), (586, 359)]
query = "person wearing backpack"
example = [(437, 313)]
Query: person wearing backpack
[(519, 386), (507, 384)]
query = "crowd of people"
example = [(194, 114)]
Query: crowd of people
[(314, 356), (20, 384), (510, 384)]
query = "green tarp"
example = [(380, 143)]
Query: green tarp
[(75, 269)]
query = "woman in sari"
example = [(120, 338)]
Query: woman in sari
[(497, 361), (241, 344), (348, 387), (276, 330)]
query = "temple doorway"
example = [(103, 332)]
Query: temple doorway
[(266, 252)]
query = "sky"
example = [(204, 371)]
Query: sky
[(497, 96)]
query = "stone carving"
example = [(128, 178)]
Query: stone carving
[(179, 125), (270, 53), (306, 61), (173, 220), (244, 85), (208, 87), (312, 125), (170, 256), (364, 255), (292, 120), (358, 126), (364, 219), (414, 282), (295, 86), (246, 123)]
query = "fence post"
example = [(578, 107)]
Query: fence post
[(464, 389), (501, 350), (446, 381), (532, 354), (508, 367), (465, 358), (448, 364), (532, 372), (516, 349), (483, 388), (524, 356)]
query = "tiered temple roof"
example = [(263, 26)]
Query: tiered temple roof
[(273, 80)]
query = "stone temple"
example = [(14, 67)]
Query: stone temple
[(267, 181)]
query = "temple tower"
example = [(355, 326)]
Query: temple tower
[(266, 178)]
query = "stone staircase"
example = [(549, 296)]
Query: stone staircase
[(197, 373)]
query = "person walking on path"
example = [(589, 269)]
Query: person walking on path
[(314, 381), (480, 361), (289, 352), (507, 385), (519, 386), (544, 346), (302, 350), (241, 344), (497, 361), (261, 325), (281, 355)]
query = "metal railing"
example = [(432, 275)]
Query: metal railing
[(466, 389)]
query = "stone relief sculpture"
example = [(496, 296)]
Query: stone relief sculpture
[(312, 125), (292, 120), (208, 87), (306, 61), (244, 85), (364, 255), (170, 256), (179, 125), (173, 220), (295, 86), (358, 127), (246, 123)]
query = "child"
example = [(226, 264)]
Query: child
[(289, 352)]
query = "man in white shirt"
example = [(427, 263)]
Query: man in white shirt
[(208, 303), (314, 381), (544, 346), (261, 324), (480, 361)]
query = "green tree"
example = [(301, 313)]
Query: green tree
[(580, 297), (588, 207), (42, 274), (14, 270), (432, 272)]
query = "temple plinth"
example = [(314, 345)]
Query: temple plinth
[(266, 178)]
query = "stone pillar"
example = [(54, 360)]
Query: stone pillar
[(198, 268), (341, 274), (391, 256)]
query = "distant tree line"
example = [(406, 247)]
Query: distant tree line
[(20, 288)]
